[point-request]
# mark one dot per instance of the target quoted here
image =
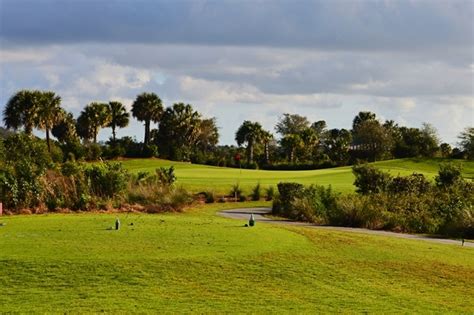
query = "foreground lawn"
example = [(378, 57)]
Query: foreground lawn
[(199, 262), (199, 178)]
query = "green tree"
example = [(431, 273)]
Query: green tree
[(207, 134), (319, 127), (65, 130), (429, 141), (372, 140), (291, 124), (147, 107), (267, 137), (49, 113), (467, 142), (21, 110), (119, 117), (251, 134), (336, 145), (290, 144), (445, 149), (179, 131), (94, 117), (362, 117)]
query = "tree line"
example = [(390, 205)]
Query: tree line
[(179, 132)]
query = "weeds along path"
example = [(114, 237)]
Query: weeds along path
[(259, 216)]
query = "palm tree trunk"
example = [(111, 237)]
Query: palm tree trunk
[(250, 152), (267, 153), (113, 133), (47, 140), (147, 132)]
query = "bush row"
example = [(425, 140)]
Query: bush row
[(403, 204)]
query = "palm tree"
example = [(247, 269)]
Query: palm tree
[(147, 107), (119, 117), (21, 110), (92, 118), (266, 138), (49, 113), (250, 133), (65, 130)]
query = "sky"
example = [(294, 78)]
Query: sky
[(409, 61)]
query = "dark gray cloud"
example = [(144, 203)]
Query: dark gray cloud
[(343, 24), (411, 61)]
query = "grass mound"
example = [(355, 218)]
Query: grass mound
[(198, 178)]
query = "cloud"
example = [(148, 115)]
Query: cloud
[(410, 61), (328, 25)]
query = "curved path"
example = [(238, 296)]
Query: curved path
[(258, 213)]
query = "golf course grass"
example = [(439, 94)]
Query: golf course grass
[(199, 262), (199, 178)]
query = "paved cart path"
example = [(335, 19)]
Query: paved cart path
[(258, 213)]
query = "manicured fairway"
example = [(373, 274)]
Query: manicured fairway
[(204, 178), (199, 262)]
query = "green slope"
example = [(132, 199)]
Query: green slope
[(202, 177), (198, 262)]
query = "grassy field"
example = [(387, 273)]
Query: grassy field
[(199, 262), (202, 177)]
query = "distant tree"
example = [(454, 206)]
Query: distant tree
[(362, 117), (267, 137), (467, 142), (290, 144), (337, 144), (430, 141), (372, 139), (94, 117), (65, 130), (21, 110), (251, 134), (319, 127), (119, 117), (310, 140), (445, 149), (291, 124), (207, 134), (179, 131), (49, 113), (147, 107)]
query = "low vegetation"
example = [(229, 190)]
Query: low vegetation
[(405, 204), (31, 182)]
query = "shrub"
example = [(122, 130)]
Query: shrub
[(166, 176), (269, 193), (25, 162), (370, 180), (92, 152), (208, 196), (149, 150), (107, 179), (236, 192), (415, 183), (448, 175), (159, 198), (256, 193), (288, 192)]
